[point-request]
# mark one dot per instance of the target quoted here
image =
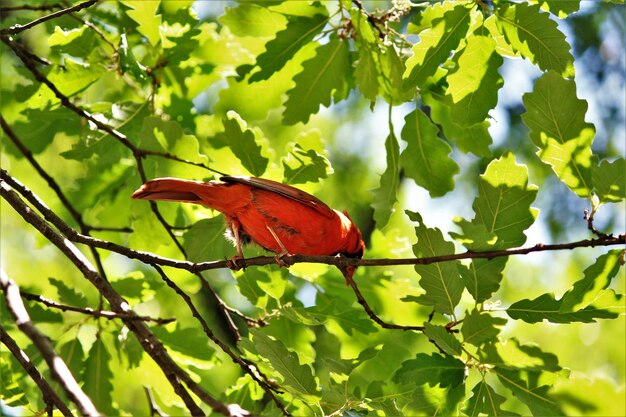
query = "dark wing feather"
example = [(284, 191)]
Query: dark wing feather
[(284, 190)]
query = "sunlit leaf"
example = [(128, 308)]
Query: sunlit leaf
[(485, 400), (300, 30), (242, 142), (556, 118), (447, 371), (444, 340), (98, 378), (188, 341), (528, 391), (597, 277), (69, 295), (286, 363), (473, 86), (609, 180), (479, 328), (425, 158), (302, 166), (441, 281), (546, 307), (502, 207), (536, 37), (145, 14), (559, 8), (385, 196), (253, 20), (437, 42), (320, 77), (205, 241)]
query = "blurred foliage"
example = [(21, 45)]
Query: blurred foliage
[(440, 127)]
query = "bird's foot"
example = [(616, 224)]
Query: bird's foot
[(281, 261), (235, 263)]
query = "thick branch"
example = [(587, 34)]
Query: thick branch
[(146, 338), (57, 366), (20, 28), (49, 396)]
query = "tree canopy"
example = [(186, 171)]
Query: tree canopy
[(478, 145)]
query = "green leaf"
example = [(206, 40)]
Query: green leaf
[(366, 73), (39, 135), (128, 62), (167, 135), (443, 339), (475, 138), (609, 180), (556, 118), (249, 19), (205, 241), (479, 328), (189, 341), (302, 166), (425, 158), (473, 86), (300, 31), (441, 281), (349, 318), (67, 294), (502, 207), (536, 37), (437, 42), (145, 14), (445, 371), (286, 363), (597, 278), (98, 378), (482, 277), (242, 143), (546, 307), (560, 8), (486, 401), (320, 77), (526, 388), (79, 42), (386, 196)]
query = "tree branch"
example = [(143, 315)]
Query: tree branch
[(146, 338), (57, 366), (49, 396), (20, 28), (245, 366), (110, 315), (150, 258)]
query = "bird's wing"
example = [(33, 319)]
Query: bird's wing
[(284, 190)]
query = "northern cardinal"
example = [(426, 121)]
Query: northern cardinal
[(278, 217)]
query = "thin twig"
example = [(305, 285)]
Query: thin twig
[(29, 7), (150, 258), (20, 28), (49, 395), (245, 366), (57, 366), (373, 315), (110, 315)]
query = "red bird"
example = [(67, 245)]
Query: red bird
[(278, 217)]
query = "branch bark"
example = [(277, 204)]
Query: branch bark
[(146, 338), (50, 397), (57, 366), (20, 28)]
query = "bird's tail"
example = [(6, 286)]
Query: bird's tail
[(213, 194)]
